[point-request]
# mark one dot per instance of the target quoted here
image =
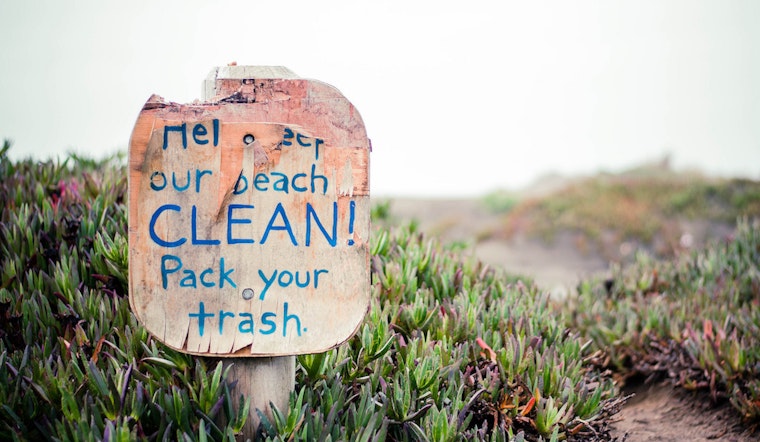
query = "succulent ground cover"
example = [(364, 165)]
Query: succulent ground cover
[(694, 321), (450, 350)]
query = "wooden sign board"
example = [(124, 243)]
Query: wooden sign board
[(249, 220)]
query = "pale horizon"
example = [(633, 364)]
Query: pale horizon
[(457, 100)]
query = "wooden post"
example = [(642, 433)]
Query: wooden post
[(263, 381), (249, 225)]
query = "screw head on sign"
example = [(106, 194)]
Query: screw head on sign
[(247, 293)]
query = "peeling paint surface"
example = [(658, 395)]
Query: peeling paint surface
[(267, 193)]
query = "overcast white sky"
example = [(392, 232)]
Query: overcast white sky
[(459, 98)]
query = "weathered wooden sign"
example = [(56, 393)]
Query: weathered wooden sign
[(249, 219)]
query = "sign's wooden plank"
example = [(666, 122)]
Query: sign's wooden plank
[(249, 219)]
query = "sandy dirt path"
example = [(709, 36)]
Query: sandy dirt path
[(664, 414)]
